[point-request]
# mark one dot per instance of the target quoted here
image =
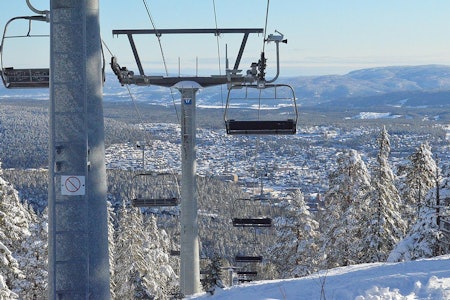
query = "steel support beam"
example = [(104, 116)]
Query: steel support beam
[(189, 254)]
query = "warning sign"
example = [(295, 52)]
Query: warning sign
[(73, 185)]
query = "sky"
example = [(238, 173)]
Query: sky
[(421, 279), (324, 36)]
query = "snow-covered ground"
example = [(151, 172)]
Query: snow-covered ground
[(421, 279)]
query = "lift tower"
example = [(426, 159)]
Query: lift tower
[(188, 86), (78, 265), (78, 229)]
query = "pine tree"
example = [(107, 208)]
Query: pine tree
[(385, 227), (111, 248), (295, 251), (423, 239), (14, 228), (8, 267), (129, 259), (342, 219), (213, 275), (160, 279), (35, 259), (420, 177)]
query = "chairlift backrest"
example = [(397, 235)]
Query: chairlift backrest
[(23, 77), (252, 109)]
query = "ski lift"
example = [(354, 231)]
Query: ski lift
[(247, 209), (246, 276), (248, 259), (154, 190), (23, 77), (252, 109)]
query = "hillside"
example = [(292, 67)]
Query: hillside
[(381, 81), (422, 279)]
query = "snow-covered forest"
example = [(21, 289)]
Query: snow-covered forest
[(367, 214)]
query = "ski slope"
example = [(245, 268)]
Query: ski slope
[(421, 279)]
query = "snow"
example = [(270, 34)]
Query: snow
[(375, 115), (421, 279)]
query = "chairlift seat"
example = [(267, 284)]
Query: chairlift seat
[(145, 202), (250, 259), (261, 127), (252, 222), (26, 78), (247, 273), (243, 280)]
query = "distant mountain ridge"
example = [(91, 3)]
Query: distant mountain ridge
[(316, 90)]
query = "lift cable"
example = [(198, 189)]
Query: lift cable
[(218, 52), (158, 36), (145, 133), (141, 120), (265, 26)]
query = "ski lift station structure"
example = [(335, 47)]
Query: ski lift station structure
[(188, 86), (78, 245)]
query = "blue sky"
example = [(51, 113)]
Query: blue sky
[(324, 36)]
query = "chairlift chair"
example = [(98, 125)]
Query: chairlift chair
[(252, 109), (23, 77), (247, 217), (246, 276), (154, 190), (247, 259)]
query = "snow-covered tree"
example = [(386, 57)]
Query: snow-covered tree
[(160, 279), (8, 268), (420, 177), (295, 252), (423, 239), (14, 228), (111, 248), (344, 213), (34, 262), (385, 226), (213, 275), (129, 259), (141, 258)]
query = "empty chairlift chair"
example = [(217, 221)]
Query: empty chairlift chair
[(246, 276), (22, 77), (248, 259), (247, 213), (155, 190), (251, 109)]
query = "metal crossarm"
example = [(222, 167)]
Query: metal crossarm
[(128, 77)]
